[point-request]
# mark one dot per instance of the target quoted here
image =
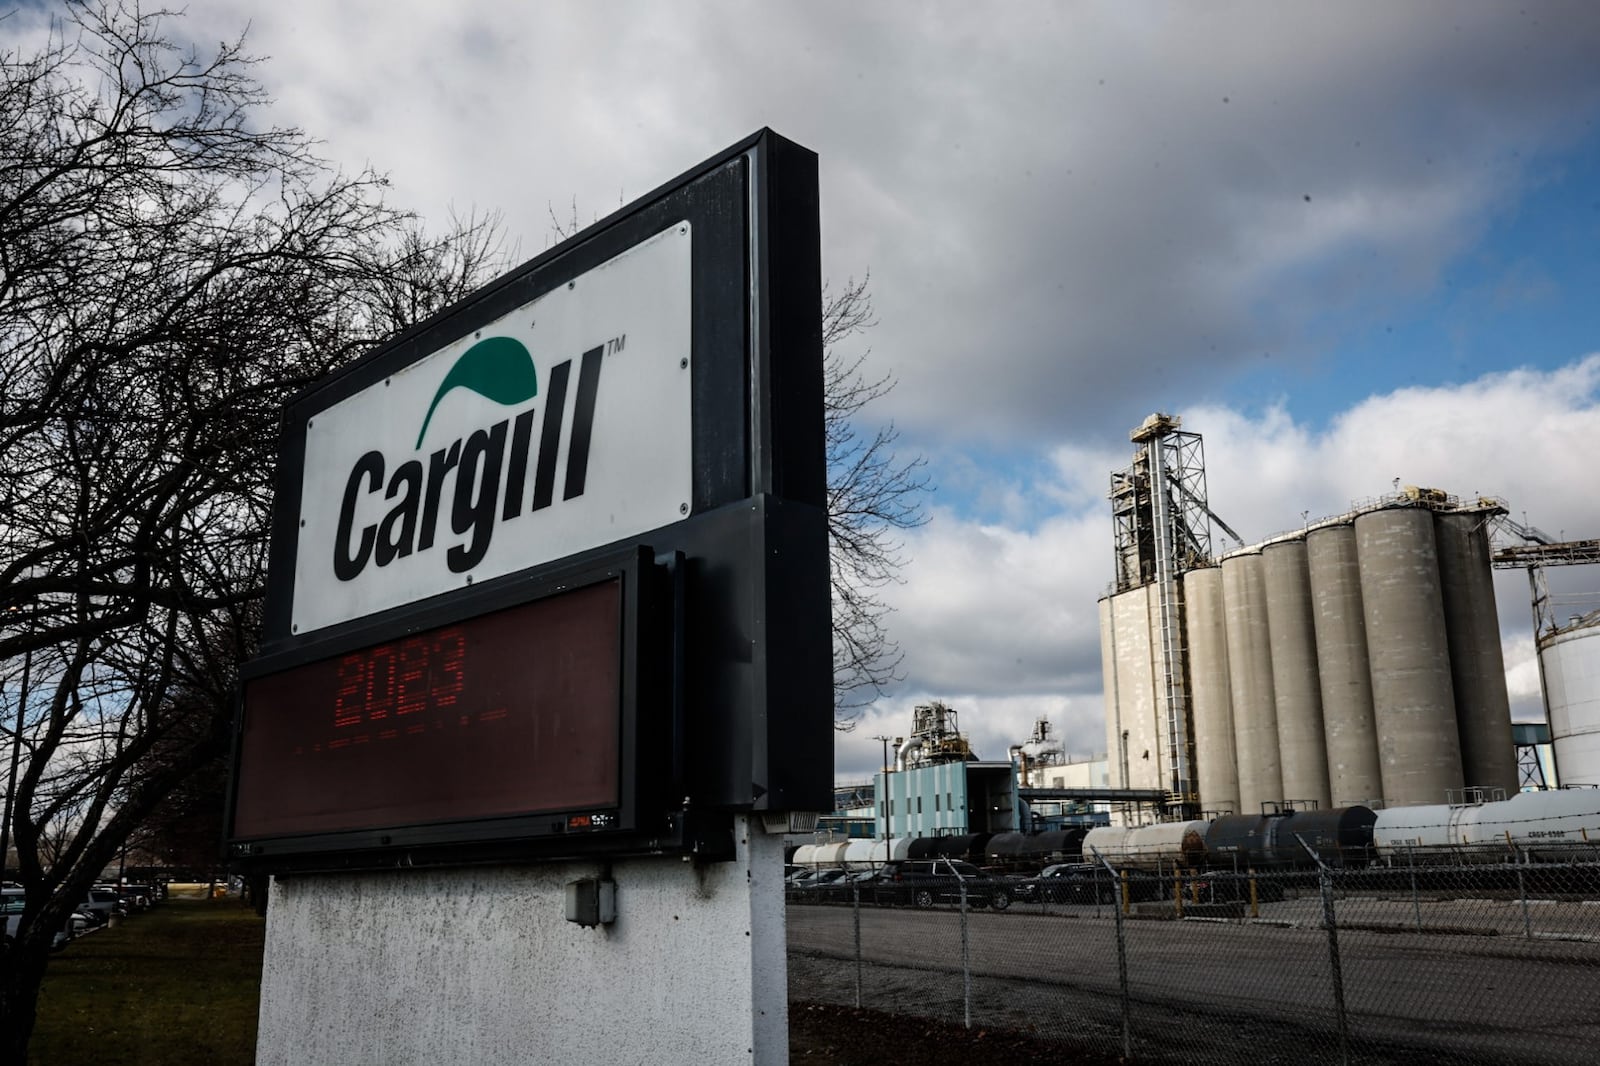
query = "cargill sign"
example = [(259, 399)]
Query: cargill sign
[(559, 426), (549, 571)]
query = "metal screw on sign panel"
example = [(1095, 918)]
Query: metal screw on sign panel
[(683, 364), (572, 284), (682, 230), (683, 508)]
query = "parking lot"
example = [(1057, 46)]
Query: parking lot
[(1401, 977)]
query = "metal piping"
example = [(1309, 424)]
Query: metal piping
[(915, 743)]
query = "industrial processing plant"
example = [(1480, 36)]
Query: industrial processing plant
[(1355, 661)]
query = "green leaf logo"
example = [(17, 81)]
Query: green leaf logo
[(499, 369)]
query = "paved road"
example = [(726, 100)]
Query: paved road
[(1473, 987)]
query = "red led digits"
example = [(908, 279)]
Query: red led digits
[(395, 680), (346, 701), (413, 676), (380, 682), (449, 678)]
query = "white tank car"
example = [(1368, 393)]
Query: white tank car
[(1552, 824), (1401, 832), (829, 856), (858, 854), (1164, 845)]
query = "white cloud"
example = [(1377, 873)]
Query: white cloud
[(1066, 209)]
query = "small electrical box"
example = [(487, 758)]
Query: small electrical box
[(591, 902)]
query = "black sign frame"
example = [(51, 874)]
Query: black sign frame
[(747, 699)]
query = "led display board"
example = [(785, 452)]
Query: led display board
[(509, 722), (549, 571)]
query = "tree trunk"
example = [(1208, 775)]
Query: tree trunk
[(20, 976)]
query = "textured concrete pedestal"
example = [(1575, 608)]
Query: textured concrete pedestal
[(481, 966)]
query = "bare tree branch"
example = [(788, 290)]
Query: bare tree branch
[(172, 271)]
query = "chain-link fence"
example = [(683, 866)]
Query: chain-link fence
[(1411, 962)]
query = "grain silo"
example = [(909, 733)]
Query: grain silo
[(1135, 709), (1477, 667), (1412, 695), (1209, 697), (1255, 719), (1356, 661), (1569, 659), (1354, 773), (1296, 684)]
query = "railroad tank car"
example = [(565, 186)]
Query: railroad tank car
[(829, 856), (1401, 833), (1341, 836), (1030, 851), (1554, 823), (894, 850), (858, 855), (1164, 844), (1059, 845), (1548, 825), (1009, 850), (968, 848), (804, 856)]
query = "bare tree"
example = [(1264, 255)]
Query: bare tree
[(171, 272), (873, 493)]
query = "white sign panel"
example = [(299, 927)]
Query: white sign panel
[(561, 426)]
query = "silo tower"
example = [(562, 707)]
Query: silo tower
[(1162, 530)]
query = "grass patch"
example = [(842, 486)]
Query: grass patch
[(176, 986)]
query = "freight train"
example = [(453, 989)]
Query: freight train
[(1561, 825)]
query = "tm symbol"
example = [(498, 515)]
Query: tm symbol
[(616, 344)]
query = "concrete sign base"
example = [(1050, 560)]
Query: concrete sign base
[(480, 964)]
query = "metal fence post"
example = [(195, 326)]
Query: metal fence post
[(1416, 900), (966, 962), (1122, 961), (1522, 893), (1329, 921), (855, 905)]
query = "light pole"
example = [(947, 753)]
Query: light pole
[(888, 823)]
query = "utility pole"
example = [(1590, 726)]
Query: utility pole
[(888, 823)]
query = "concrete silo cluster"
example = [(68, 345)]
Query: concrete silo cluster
[(1356, 661)]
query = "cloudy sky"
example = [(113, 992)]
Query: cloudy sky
[(1346, 243)]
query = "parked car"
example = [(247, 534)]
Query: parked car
[(11, 907), (101, 903), (807, 888), (137, 897), (926, 882), (1067, 882), (858, 884)]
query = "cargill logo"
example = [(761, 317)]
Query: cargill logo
[(499, 369)]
